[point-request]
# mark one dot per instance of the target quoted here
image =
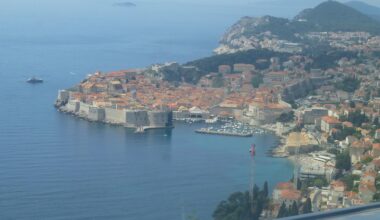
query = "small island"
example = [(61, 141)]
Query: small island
[(125, 4)]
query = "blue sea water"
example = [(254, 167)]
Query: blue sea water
[(54, 166)]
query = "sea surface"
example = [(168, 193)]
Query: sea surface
[(54, 166)]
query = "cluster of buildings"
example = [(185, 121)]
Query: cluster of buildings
[(347, 41), (320, 114), (265, 40), (330, 122)]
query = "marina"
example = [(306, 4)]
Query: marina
[(237, 129), (225, 133)]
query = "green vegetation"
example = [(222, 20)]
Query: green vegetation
[(218, 81), (367, 160), (344, 132), (293, 104), (257, 80), (377, 182), (278, 26), (307, 208), (335, 16), (328, 16), (283, 212), (177, 73), (364, 8), (287, 212), (286, 117), (348, 180), (348, 84), (376, 197), (343, 161), (325, 57), (318, 182), (333, 151), (356, 118), (240, 206), (210, 64)]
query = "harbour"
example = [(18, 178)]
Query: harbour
[(63, 167), (231, 128)]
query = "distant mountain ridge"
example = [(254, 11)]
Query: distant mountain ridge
[(365, 8), (329, 16), (335, 16)]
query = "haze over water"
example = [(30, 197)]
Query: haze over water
[(53, 166)]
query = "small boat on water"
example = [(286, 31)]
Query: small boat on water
[(140, 130), (252, 150), (34, 80)]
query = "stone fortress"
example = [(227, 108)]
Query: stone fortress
[(130, 118)]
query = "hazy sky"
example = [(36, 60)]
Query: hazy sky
[(249, 2)]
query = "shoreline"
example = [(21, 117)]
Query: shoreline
[(276, 151)]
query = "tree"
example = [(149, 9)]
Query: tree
[(348, 181), (286, 117), (349, 84), (241, 206), (343, 161), (333, 151), (352, 104), (357, 118), (294, 209), (255, 191), (299, 184), (257, 80), (344, 132), (236, 207), (320, 182), (265, 189), (307, 208), (283, 212), (292, 103), (367, 160), (376, 197)]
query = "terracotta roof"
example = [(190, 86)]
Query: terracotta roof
[(348, 124), (376, 162), (330, 120), (285, 185), (351, 194), (358, 144), (290, 194), (367, 187), (376, 146)]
